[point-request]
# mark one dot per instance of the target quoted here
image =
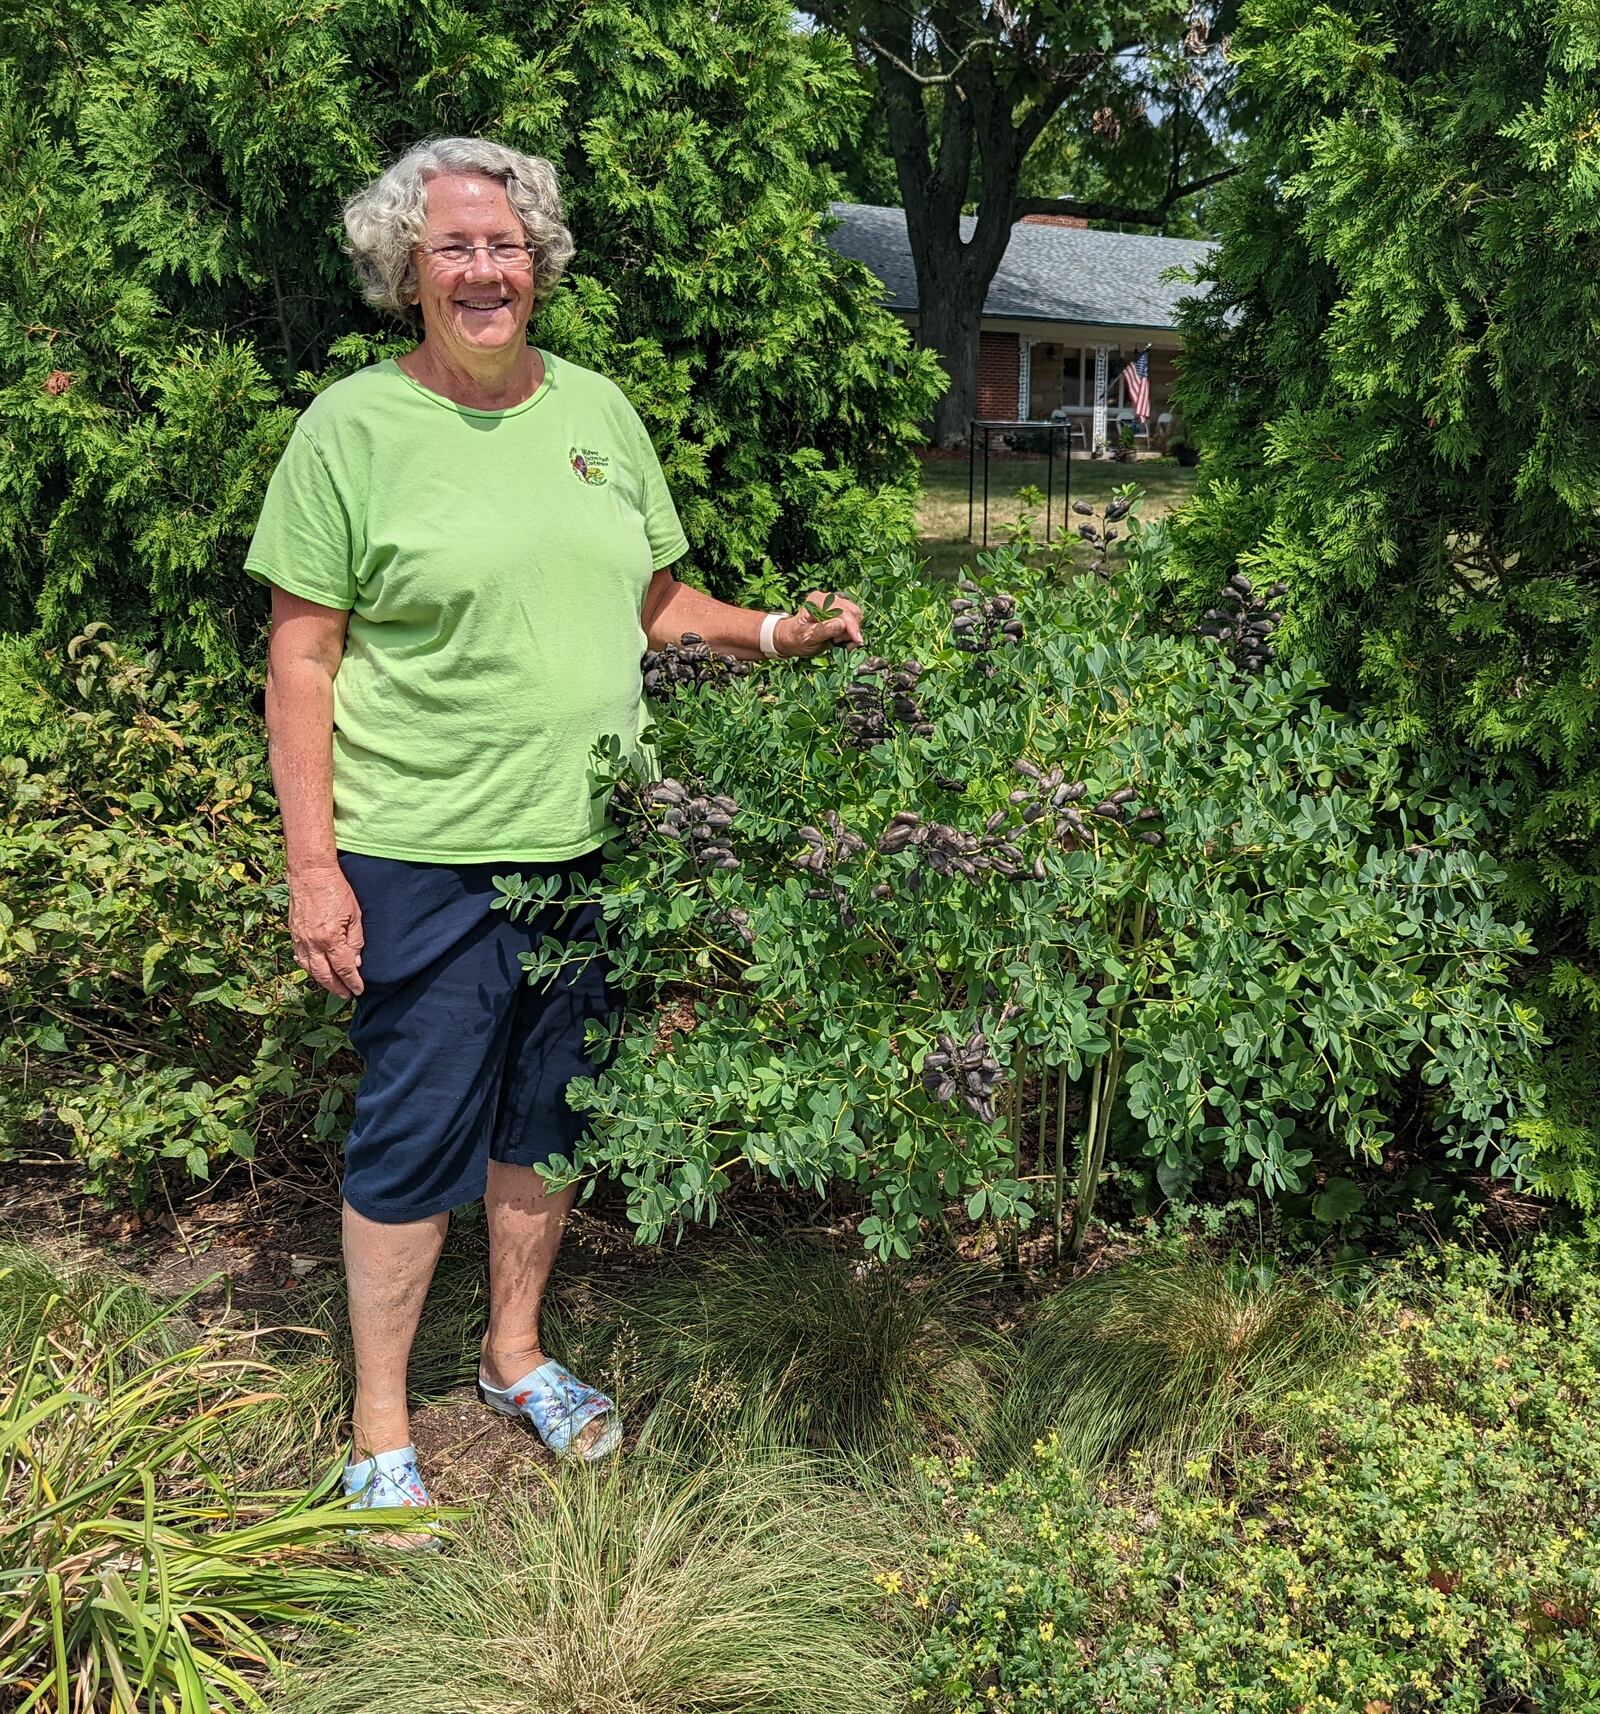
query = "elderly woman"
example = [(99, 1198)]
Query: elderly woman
[(469, 548)]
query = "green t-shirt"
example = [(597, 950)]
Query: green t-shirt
[(494, 565)]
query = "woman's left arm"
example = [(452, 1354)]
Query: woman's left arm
[(671, 608)]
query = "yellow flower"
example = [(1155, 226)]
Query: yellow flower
[(890, 1582), (1047, 1631)]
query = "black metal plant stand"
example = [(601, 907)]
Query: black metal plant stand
[(989, 427)]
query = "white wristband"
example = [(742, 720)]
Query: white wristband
[(769, 633)]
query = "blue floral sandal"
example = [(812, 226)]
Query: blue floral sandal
[(560, 1407), (390, 1479)]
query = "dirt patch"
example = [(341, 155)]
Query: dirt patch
[(470, 1453)]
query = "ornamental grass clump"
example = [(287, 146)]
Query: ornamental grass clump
[(796, 1343), (1177, 1358), (144, 1563), (1191, 910), (649, 1587)]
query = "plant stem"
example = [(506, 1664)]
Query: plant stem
[(1061, 1152), (1102, 1104), (1085, 1189), (1021, 1070), (1044, 1110)]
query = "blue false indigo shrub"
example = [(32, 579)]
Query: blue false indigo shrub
[(1039, 829)]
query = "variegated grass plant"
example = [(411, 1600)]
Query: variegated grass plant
[(141, 1568)]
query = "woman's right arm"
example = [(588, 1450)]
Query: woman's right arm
[(302, 660)]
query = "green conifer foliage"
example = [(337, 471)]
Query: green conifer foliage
[(172, 289), (1396, 378)]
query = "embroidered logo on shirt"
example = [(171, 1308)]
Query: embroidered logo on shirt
[(589, 466)]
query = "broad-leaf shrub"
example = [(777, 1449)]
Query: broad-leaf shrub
[(1228, 913), (150, 1006), (1437, 1549)]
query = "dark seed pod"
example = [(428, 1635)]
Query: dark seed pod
[(1123, 794), (1152, 839), (1242, 623), (685, 665), (882, 890), (983, 622), (1026, 767), (1084, 507)]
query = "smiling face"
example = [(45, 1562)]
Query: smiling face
[(481, 309)]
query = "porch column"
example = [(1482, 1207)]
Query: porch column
[(1101, 366)]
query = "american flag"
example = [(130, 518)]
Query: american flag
[(1136, 378)]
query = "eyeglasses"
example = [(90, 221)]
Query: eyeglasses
[(460, 255)]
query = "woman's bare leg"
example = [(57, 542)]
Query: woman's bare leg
[(387, 1269), (525, 1226)]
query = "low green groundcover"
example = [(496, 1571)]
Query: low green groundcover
[(1436, 1549)]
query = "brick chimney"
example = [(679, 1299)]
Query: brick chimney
[(1053, 220)]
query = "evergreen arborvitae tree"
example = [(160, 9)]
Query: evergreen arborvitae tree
[(172, 289), (1396, 379)]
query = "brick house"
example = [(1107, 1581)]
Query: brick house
[(1065, 305)]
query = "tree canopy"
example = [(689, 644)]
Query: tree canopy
[(1114, 111), (172, 288)]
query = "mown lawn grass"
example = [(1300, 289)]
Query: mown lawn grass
[(942, 508)]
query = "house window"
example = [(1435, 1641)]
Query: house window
[(1072, 378)]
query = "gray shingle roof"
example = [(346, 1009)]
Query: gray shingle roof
[(1048, 273)]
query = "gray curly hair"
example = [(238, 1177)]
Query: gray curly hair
[(383, 221)]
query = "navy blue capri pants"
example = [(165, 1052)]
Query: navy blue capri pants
[(465, 1061)]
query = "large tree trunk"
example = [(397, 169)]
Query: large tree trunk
[(953, 273), (949, 327), (952, 282)]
